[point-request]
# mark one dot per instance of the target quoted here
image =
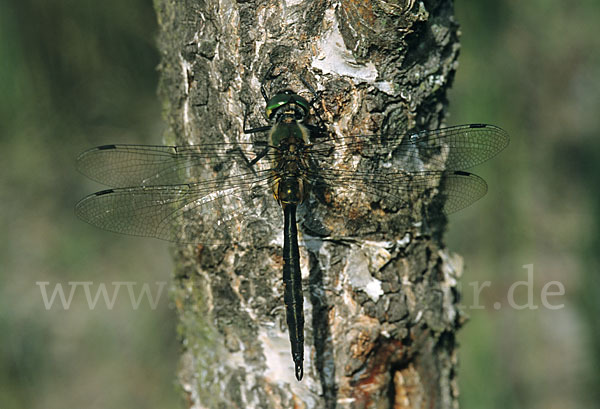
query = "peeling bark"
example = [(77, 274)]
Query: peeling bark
[(381, 308)]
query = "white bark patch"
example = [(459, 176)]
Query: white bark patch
[(290, 3), (372, 257), (404, 241), (452, 268), (278, 356), (386, 87), (335, 58), (185, 70)]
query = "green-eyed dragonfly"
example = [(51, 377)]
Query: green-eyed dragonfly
[(207, 193)]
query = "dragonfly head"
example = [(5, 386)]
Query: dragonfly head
[(287, 103)]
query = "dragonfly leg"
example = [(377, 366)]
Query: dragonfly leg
[(316, 131), (320, 129), (259, 156), (250, 163), (263, 91), (254, 130), (316, 96)]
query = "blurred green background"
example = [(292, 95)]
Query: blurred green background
[(80, 73)]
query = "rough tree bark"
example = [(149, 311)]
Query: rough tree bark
[(381, 315)]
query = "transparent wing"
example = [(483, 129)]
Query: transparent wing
[(459, 189), (455, 148), (208, 212), (147, 165), (412, 163), (157, 188)]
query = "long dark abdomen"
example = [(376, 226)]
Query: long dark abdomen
[(292, 281)]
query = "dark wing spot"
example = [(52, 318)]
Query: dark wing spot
[(106, 147)]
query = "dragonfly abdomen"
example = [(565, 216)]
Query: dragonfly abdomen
[(292, 283)]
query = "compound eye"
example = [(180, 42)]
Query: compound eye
[(302, 104)]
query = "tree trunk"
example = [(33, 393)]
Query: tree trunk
[(381, 315)]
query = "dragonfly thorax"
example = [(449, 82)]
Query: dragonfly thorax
[(290, 165), (290, 173)]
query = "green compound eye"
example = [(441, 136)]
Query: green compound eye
[(286, 97)]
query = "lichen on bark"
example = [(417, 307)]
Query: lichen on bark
[(380, 291)]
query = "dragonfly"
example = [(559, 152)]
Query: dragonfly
[(210, 193)]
